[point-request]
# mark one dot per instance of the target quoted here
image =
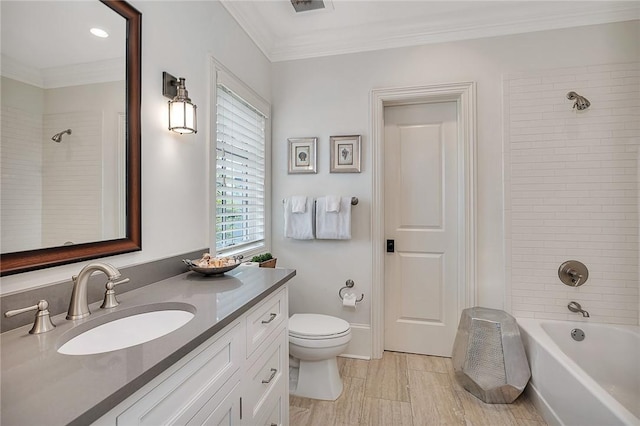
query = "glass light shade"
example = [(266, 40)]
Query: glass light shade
[(182, 116)]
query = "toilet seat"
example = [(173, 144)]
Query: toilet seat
[(317, 327), (328, 337)]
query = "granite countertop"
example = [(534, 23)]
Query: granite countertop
[(41, 386)]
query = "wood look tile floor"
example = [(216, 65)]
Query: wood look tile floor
[(406, 390)]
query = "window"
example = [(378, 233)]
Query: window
[(241, 172)]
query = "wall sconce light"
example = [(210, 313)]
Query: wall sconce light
[(182, 113)]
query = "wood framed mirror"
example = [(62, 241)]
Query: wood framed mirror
[(128, 237)]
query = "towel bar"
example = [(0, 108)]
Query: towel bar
[(354, 201)]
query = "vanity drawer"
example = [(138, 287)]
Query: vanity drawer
[(264, 319), (182, 394), (266, 378), (276, 407), (221, 409)]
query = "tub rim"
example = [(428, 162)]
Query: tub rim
[(532, 327)]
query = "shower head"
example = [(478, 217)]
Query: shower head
[(580, 101), (58, 136)]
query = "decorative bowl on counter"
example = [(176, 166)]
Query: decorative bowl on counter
[(226, 265)]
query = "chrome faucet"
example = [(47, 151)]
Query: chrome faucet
[(575, 307), (79, 305)]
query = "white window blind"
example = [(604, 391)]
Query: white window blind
[(240, 172)]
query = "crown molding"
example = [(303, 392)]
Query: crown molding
[(64, 76), (88, 73), (252, 24), (318, 43), (18, 71)]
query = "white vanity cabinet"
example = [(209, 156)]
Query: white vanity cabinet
[(237, 377), (265, 380)]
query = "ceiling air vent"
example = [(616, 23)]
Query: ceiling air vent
[(306, 5)]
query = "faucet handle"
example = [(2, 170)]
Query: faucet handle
[(42, 323), (110, 300)]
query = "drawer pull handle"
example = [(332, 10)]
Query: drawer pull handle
[(273, 374), (271, 318)]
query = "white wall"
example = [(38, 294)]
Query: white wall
[(177, 37), (330, 96), (572, 190)]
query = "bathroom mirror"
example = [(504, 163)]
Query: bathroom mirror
[(70, 136)]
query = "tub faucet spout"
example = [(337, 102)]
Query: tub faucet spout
[(79, 305), (575, 307)]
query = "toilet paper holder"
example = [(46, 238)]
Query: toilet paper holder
[(349, 284)]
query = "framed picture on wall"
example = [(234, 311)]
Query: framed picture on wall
[(302, 155), (345, 154)]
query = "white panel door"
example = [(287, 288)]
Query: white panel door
[(421, 215)]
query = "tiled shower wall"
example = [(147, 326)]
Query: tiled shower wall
[(72, 179), (21, 165), (53, 190), (571, 186)]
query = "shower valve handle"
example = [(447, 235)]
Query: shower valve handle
[(576, 277), (573, 273)]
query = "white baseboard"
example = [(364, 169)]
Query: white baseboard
[(360, 345)]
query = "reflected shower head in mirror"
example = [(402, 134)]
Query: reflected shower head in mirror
[(581, 103), (58, 136)]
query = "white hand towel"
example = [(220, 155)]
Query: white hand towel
[(298, 226), (333, 226), (298, 203), (333, 203)]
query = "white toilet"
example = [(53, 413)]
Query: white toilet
[(315, 341)]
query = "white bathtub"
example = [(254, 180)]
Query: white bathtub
[(592, 382)]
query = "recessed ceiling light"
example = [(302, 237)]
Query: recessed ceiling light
[(99, 32)]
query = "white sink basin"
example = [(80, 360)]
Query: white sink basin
[(126, 332)]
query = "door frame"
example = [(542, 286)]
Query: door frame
[(463, 94)]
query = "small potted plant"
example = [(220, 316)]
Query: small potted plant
[(265, 260)]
